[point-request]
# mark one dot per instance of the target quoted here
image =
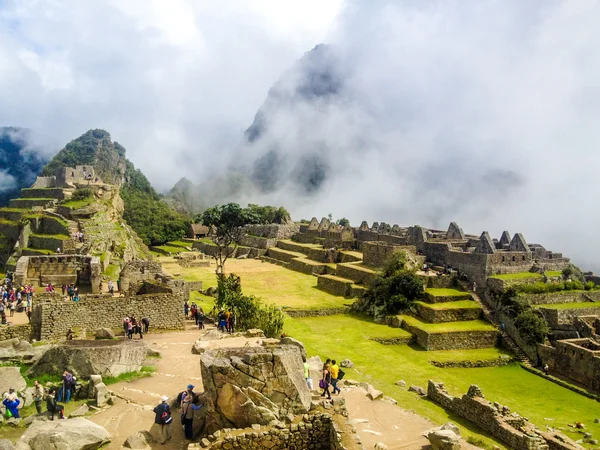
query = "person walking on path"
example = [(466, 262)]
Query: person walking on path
[(200, 319), (38, 396), (309, 382), (334, 370), (164, 419), (187, 415), (326, 380), (145, 324)]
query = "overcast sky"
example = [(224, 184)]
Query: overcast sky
[(482, 112)]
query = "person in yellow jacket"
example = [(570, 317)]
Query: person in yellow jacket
[(334, 370)]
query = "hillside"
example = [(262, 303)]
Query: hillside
[(18, 165), (151, 218)]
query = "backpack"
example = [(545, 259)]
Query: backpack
[(166, 417), (341, 374)]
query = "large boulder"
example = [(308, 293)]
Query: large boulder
[(69, 434), (6, 444), (139, 441), (87, 357), (250, 385), (20, 351), (291, 341), (443, 439), (104, 333), (10, 377)]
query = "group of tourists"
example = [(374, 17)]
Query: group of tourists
[(131, 326), (14, 298), (13, 404), (187, 401), (332, 374), (195, 313), (78, 236), (225, 321), (71, 291)]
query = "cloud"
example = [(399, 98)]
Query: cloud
[(480, 112), (7, 181)]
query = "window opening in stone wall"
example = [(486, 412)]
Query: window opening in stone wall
[(514, 258), (523, 257), (503, 258)]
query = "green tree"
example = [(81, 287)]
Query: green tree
[(343, 222), (270, 214), (248, 311), (226, 222), (396, 288), (532, 328)]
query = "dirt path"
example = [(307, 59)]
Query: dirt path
[(177, 368)]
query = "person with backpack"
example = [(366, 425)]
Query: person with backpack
[(334, 369), (11, 403), (54, 407), (65, 391), (200, 319), (326, 380), (145, 324), (164, 419)]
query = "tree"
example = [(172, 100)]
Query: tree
[(270, 214), (226, 222), (533, 329), (343, 222), (396, 288)]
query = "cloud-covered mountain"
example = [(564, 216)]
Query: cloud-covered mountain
[(19, 163)]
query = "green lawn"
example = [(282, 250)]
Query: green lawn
[(289, 241), (8, 222), (441, 292), (62, 237), (556, 273), (577, 305), (170, 249), (270, 282), (40, 251), (112, 271), (517, 276), (446, 327), (382, 365), (179, 244), (76, 204), (461, 304)]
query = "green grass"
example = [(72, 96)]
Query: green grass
[(170, 249), (442, 292), (178, 244), (146, 371), (36, 199), (76, 204), (300, 244), (112, 271), (577, 305), (203, 301), (461, 304), (447, 327), (62, 237), (8, 222), (516, 276), (383, 365), (40, 251), (554, 273), (270, 282)]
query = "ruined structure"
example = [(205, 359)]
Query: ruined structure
[(511, 428)]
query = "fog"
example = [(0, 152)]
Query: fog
[(479, 112)]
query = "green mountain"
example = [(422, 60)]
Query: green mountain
[(151, 218)]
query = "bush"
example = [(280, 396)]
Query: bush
[(249, 312), (532, 328), (396, 288), (82, 193), (545, 288)]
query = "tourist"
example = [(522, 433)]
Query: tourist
[(334, 370), (186, 308), (137, 328), (38, 396), (13, 305), (70, 291), (145, 324), (309, 382), (189, 392), (193, 311), (164, 419), (28, 312), (11, 403), (129, 329), (70, 334), (545, 369), (326, 380), (58, 250), (187, 415), (126, 326), (200, 319), (54, 407), (111, 287), (65, 390), (222, 321)]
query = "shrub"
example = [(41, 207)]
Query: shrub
[(396, 288), (82, 193), (249, 312), (532, 328)]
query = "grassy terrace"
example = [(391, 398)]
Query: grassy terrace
[(448, 327), (270, 282), (442, 292), (461, 304), (52, 236), (170, 248), (517, 276), (40, 251), (288, 252), (300, 244), (556, 273), (76, 204), (8, 222), (342, 337), (577, 305)]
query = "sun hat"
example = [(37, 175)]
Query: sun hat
[(190, 386), (165, 398)]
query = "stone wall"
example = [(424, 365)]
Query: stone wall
[(356, 273), (308, 266), (59, 269), (24, 332), (579, 360), (377, 253), (334, 285), (511, 330), (315, 432), (48, 192), (515, 431), (454, 340), (561, 297), (210, 249), (55, 316), (315, 312), (274, 231), (558, 317), (433, 315)]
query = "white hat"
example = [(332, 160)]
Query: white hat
[(165, 398)]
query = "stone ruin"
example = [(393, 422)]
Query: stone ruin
[(511, 428), (192, 259)]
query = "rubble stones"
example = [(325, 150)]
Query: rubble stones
[(80, 412), (418, 389), (6, 444), (139, 441), (347, 363), (443, 439)]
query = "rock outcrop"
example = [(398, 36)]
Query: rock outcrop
[(84, 358), (70, 434), (20, 351), (251, 385), (10, 377)]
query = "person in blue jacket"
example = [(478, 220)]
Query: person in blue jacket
[(11, 402)]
